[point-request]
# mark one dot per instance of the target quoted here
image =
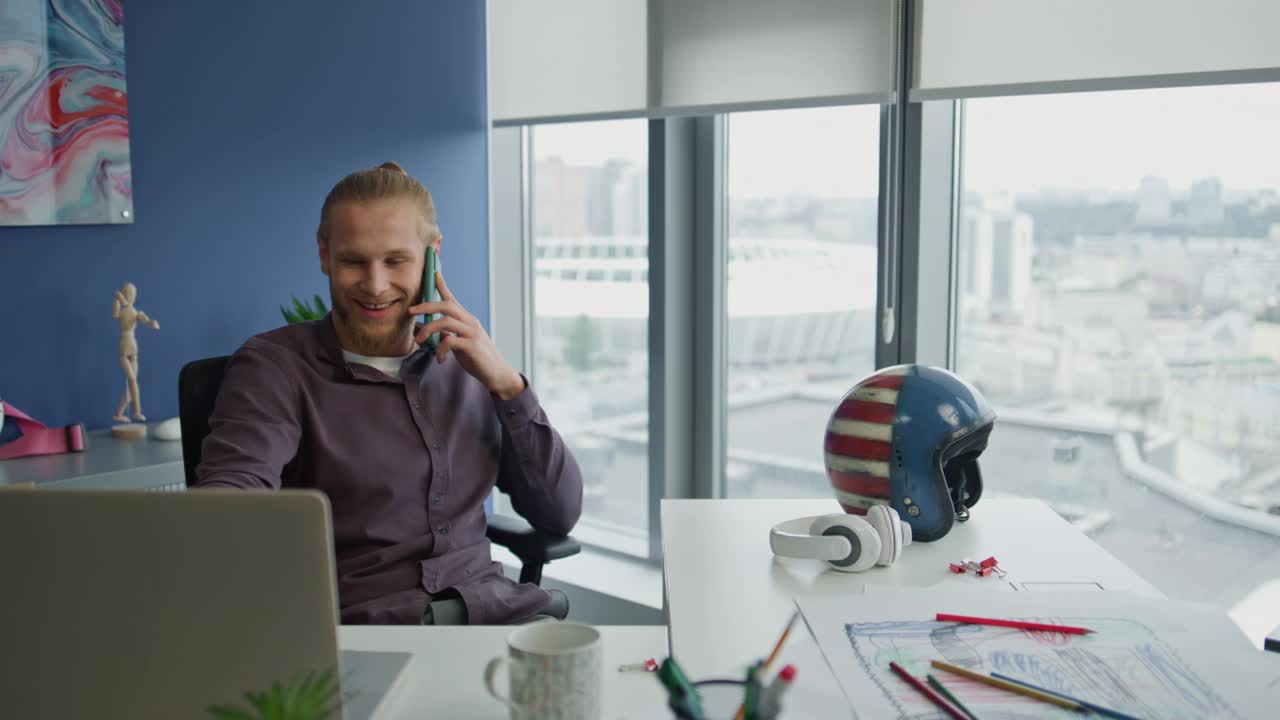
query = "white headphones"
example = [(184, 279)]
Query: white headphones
[(848, 543)]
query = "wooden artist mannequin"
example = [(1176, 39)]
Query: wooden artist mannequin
[(123, 310)]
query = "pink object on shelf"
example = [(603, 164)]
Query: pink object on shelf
[(37, 439)]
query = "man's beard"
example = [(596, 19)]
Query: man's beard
[(382, 339)]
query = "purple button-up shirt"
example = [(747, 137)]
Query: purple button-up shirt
[(406, 465)]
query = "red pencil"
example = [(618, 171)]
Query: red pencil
[(927, 691), (1021, 625)]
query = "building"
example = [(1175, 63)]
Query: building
[(996, 259), (788, 300), (1155, 202), (1204, 207), (1264, 340)]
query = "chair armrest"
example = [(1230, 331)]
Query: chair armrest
[(528, 543)]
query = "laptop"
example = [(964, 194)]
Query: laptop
[(125, 604)]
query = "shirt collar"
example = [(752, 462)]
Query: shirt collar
[(333, 353)]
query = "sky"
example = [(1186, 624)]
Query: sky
[(1097, 140)]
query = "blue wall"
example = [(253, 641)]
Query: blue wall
[(241, 117)]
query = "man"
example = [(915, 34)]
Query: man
[(406, 443)]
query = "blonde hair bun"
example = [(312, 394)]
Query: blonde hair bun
[(384, 182)]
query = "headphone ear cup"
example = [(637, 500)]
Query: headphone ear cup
[(863, 539), (888, 526)]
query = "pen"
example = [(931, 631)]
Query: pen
[(678, 687), (1020, 624), (750, 703), (771, 698)]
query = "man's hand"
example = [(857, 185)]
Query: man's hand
[(462, 334)]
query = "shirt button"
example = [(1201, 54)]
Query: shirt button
[(435, 499), (435, 446), (511, 411), (444, 530), (416, 404)]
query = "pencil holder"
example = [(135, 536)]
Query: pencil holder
[(720, 700)]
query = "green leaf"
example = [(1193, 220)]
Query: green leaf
[(320, 308), (307, 696), (302, 310), (223, 712), (295, 694), (289, 316)]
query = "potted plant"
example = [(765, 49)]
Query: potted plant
[(309, 696), (303, 312)]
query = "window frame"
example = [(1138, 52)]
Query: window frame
[(921, 180)]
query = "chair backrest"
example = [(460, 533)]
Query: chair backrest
[(198, 384)]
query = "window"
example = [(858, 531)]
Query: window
[(800, 286), (1117, 300), (590, 342)]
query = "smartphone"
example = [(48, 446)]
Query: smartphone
[(430, 294)]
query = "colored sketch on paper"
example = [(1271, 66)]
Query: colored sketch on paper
[(1125, 666), (64, 121)]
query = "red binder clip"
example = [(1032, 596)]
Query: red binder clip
[(987, 567)]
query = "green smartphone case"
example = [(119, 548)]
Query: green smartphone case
[(430, 294)]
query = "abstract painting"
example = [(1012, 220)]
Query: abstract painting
[(64, 120)]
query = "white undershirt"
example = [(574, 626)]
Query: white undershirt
[(388, 365)]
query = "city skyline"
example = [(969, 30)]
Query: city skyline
[(610, 198), (1090, 140)]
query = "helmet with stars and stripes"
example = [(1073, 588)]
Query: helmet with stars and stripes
[(909, 436)]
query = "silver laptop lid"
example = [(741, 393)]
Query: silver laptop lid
[(118, 604)]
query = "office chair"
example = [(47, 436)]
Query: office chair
[(198, 384)]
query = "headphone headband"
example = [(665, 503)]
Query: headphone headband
[(792, 539)]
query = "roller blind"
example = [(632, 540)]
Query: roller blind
[(1000, 47), (567, 57), (571, 59)]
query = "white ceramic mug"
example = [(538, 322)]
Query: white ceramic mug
[(555, 672)]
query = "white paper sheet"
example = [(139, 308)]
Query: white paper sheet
[(1149, 658)]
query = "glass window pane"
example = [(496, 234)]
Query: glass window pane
[(800, 286), (591, 358), (1118, 285)]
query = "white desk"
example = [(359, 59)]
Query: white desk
[(728, 598), (444, 677), (107, 463)]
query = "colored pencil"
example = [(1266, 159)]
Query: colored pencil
[(937, 685), (1084, 703), (926, 691), (1010, 686), (1020, 624), (777, 648)]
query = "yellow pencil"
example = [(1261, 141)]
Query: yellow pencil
[(1011, 687), (781, 641)]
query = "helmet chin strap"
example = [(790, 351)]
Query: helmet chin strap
[(957, 501), (959, 489)]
